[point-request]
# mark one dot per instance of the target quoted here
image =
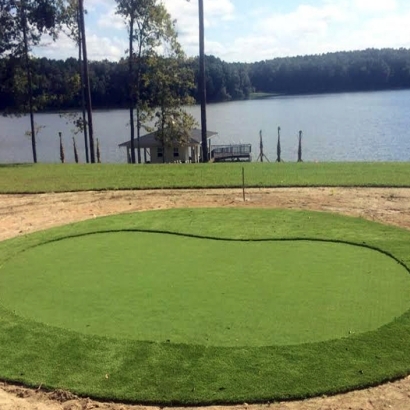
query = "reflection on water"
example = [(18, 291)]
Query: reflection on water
[(336, 127)]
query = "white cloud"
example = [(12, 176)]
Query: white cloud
[(330, 25), (63, 48), (334, 25), (216, 13), (110, 19), (375, 6), (214, 9), (305, 19), (219, 9), (105, 48), (302, 31), (388, 31), (93, 5), (98, 48)]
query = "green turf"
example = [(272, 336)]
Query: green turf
[(79, 177), (161, 287), (180, 373)]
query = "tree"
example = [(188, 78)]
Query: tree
[(149, 26), (22, 24), (56, 83), (36, 17), (86, 80), (74, 22), (202, 81), (171, 82), (10, 32)]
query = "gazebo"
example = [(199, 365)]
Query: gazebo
[(156, 153)]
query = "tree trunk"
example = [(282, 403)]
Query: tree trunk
[(202, 81), (29, 82), (87, 82), (83, 110), (130, 86), (138, 134), (138, 101)]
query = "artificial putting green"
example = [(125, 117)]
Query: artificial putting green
[(162, 287), (337, 289)]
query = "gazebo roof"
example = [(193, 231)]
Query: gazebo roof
[(150, 140)]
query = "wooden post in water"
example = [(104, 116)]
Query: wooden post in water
[(61, 148), (98, 152), (300, 147), (278, 149)]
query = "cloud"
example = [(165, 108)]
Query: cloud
[(106, 48), (331, 26), (302, 31), (94, 5), (259, 33), (216, 14), (375, 6), (98, 48), (304, 20), (63, 48), (387, 31), (110, 19)]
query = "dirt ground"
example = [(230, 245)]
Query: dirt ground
[(21, 214)]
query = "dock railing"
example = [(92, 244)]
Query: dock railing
[(229, 152)]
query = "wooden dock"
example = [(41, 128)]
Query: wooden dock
[(231, 153)]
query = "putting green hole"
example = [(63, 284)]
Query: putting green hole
[(164, 287)]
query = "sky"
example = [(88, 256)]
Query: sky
[(254, 30)]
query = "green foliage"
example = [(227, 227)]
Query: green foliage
[(42, 17), (149, 28), (70, 18), (75, 119), (170, 83), (160, 67), (333, 72), (370, 69), (37, 127), (56, 178), (119, 368), (22, 24)]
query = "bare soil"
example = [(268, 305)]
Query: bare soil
[(21, 214)]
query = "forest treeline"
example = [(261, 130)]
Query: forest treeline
[(55, 82)]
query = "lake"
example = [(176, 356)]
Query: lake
[(372, 126)]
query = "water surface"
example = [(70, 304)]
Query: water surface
[(372, 126)]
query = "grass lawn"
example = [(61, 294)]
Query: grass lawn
[(202, 291), (29, 178), (206, 306)]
